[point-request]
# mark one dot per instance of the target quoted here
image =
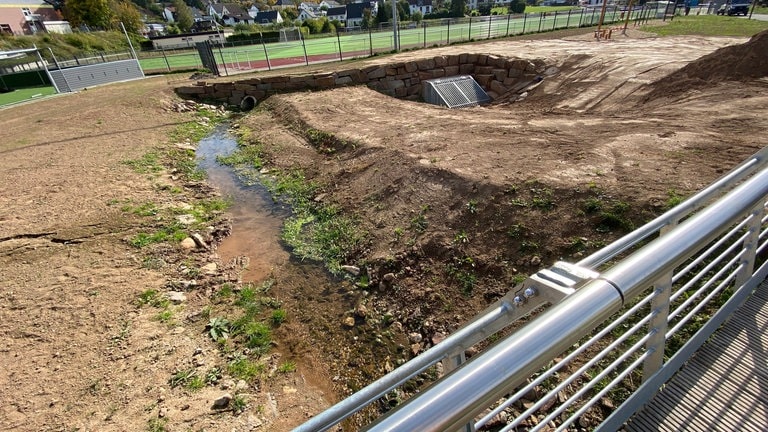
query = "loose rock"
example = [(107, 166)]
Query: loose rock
[(353, 270), (176, 296), (188, 244), (222, 402)]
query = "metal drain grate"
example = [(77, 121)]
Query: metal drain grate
[(455, 92)]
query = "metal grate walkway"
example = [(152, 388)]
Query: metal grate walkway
[(724, 386)]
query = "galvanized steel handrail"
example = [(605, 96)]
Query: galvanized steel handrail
[(616, 285), (455, 400), (693, 203)]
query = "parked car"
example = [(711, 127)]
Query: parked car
[(731, 9)]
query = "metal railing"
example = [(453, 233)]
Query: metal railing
[(619, 324)]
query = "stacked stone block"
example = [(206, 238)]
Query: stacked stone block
[(403, 80)]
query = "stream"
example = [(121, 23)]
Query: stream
[(256, 218)]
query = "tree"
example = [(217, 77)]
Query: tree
[(289, 14), (92, 13), (128, 14), (458, 7), (516, 7), (384, 13), (368, 19), (403, 10), (417, 16), (183, 17), (484, 8)]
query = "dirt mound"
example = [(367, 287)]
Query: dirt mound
[(744, 62)]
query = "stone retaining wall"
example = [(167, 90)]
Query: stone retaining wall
[(497, 75)]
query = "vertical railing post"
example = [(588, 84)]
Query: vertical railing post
[(370, 41), (509, 18), (448, 30), (451, 362), (751, 242), (657, 327), (541, 20), (469, 35), (568, 20), (338, 40), (525, 18), (424, 24), (490, 21)]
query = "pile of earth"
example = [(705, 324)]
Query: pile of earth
[(745, 62)]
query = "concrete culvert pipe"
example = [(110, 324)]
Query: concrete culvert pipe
[(248, 103)]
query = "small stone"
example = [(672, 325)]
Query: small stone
[(199, 241), (254, 422), (397, 326), (184, 407), (437, 338), (186, 219), (227, 384), (415, 337), (349, 321), (176, 296), (536, 260), (198, 351), (389, 278), (353, 270), (361, 311), (415, 348), (188, 244), (241, 386), (209, 269), (222, 402), (289, 390)]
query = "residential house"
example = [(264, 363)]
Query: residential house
[(19, 17), (355, 13), (423, 6), (269, 17), (169, 14), (282, 4), (309, 6), (190, 39), (337, 13), (253, 11), (305, 14), (328, 4), (230, 13)]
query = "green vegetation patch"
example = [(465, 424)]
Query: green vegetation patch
[(708, 25), (315, 231)]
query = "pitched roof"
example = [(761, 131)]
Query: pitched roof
[(234, 9), (355, 10), (341, 10), (267, 16)]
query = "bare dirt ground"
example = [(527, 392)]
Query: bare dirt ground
[(456, 206)]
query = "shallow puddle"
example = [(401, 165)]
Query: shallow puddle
[(256, 219)]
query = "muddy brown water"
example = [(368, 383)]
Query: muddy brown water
[(256, 218), (309, 293)]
